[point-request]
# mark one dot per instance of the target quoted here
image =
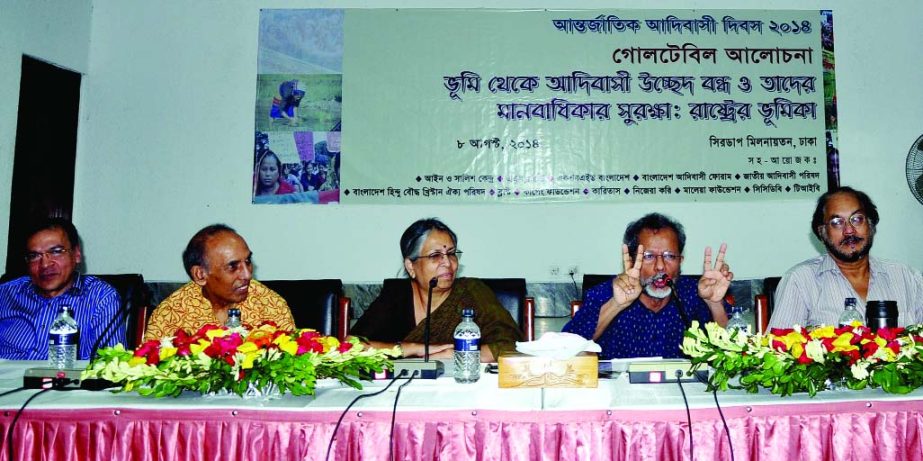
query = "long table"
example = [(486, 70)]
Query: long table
[(440, 419)]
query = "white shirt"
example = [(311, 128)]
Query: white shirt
[(813, 292)]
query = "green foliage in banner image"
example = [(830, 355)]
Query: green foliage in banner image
[(320, 110)]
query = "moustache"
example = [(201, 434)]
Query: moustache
[(851, 240), (659, 281)]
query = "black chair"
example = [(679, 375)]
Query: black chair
[(765, 302), (512, 296), (317, 304), (591, 280), (136, 304)]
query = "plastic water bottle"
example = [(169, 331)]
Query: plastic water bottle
[(850, 313), (233, 320), (63, 340), (737, 322), (467, 349)]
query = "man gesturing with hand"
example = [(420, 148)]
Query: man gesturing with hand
[(644, 311)]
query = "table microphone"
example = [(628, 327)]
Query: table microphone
[(684, 316), (424, 368)]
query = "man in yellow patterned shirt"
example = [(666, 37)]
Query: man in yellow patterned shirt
[(219, 262)]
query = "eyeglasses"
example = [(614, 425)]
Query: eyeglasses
[(56, 253), (436, 257), (649, 257), (856, 220)]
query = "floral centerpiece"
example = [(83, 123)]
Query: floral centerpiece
[(802, 360), (237, 360)]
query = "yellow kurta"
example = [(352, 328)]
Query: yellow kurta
[(188, 309)]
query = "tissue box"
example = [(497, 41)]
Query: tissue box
[(521, 370)]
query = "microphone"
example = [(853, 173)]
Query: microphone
[(423, 368), (120, 317), (429, 309), (679, 303)]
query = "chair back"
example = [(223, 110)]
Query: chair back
[(512, 296), (136, 304), (511, 292), (314, 303), (765, 302), (591, 280)]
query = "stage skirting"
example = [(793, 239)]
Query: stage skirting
[(442, 420)]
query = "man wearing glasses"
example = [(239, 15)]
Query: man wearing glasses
[(29, 304), (644, 311), (813, 292)]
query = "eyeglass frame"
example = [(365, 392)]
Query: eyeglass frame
[(859, 215), (649, 257), (55, 253), (437, 257)]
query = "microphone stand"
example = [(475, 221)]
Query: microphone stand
[(116, 322), (684, 316), (429, 310), (423, 368), (679, 304)]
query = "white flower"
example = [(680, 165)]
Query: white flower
[(860, 369), (721, 338), (693, 348), (815, 350)]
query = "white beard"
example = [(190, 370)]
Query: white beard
[(658, 293)]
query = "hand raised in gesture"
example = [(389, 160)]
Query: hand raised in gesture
[(626, 287), (716, 279)]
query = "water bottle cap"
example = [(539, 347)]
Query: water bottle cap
[(467, 312)]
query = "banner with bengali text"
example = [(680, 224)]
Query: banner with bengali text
[(483, 106)]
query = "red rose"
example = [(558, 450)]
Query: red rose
[(852, 355), (869, 349), (148, 349), (779, 345), (894, 346), (307, 342), (205, 329), (889, 334), (181, 338)]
